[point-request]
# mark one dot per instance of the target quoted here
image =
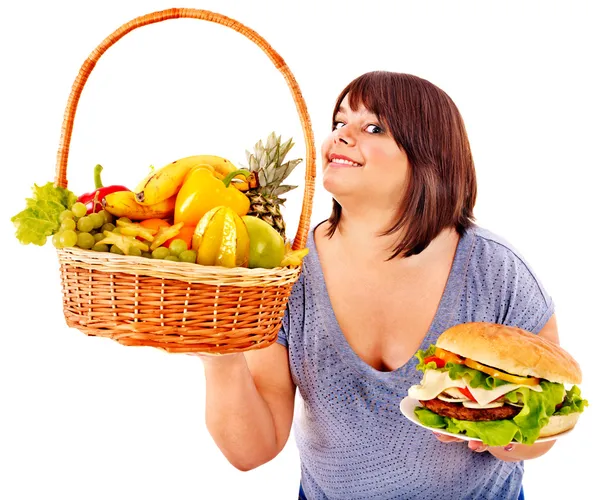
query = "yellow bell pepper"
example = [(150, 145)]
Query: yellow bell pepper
[(202, 191)]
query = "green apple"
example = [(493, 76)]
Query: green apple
[(267, 247)]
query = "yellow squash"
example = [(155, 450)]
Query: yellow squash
[(202, 191), (221, 239)]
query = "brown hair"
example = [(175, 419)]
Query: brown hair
[(427, 125)]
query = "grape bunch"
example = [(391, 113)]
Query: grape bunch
[(77, 229), (88, 231)]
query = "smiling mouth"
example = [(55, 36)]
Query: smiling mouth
[(336, 160)]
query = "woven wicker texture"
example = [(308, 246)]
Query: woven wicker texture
[(176, 306)]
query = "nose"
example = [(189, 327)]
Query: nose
[(344, 136)]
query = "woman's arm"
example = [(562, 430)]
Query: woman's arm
[(249, 404)]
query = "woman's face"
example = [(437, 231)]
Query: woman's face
[(362, 162)]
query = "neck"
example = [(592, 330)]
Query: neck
[(361, 232), (359, 237)]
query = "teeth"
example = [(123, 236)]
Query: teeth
[(345, 162)]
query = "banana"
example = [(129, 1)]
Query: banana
[(166, 181), (124, 204)]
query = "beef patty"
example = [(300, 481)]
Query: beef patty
[(458, 411)]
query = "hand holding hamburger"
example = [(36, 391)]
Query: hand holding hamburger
[(498, 384)]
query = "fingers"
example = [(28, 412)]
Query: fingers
[(474, 445), (446, 439), (477, 446)]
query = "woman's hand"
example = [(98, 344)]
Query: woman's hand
[(508, 453)]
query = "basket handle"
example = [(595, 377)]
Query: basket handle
[(276, 59)]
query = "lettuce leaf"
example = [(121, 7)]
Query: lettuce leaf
[(421, 355), (40, 218), (572, 402), (474, 378), (523, 428)]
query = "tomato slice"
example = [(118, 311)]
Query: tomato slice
[(439, 362), (467, 393)]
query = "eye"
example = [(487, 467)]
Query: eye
[(337, 125), (374, 129)]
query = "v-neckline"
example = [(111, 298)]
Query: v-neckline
[(442, 319)]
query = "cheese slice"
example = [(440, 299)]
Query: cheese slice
[(433, 383), (486, 396)]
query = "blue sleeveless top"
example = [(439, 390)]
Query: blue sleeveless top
[(354, 442)]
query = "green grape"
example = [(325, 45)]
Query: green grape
[(148, 255), (99, 236), (105, 215), (97, 220), (124, 219), (68, 224), (56, 240), (177, 246), (188, 256), (160, 253), (100, 247), (173, 258), (66, 214), (116, 249), (68, 238), (85, 240), (117, 230), (108, 227), (85, 224), (135, 251), (78, 209)]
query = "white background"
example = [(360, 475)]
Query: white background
[(88, 418)]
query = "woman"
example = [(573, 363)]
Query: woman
[(398, 262)]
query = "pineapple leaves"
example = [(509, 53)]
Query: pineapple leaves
[(267, 162), (282, 189)]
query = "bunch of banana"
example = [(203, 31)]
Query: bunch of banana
[(221, 239), (166, 181), (124, 204)]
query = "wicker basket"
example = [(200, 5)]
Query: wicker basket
[(176, 306)]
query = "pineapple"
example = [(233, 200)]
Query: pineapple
[(269, 171)]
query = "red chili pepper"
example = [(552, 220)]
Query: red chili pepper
[(93, 200)]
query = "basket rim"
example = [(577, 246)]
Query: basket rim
[(188, 272)]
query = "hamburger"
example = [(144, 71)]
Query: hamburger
[(498, 384)]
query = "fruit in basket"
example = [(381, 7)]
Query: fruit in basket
[(124, 204), (222, 167), (42, 216), (266, 162), (221, 239), (93, 200), (167, 181), (123, 242), (137, 230), (293, 258), (202, 191), (185, 233), (267, 247), (164, 234)]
